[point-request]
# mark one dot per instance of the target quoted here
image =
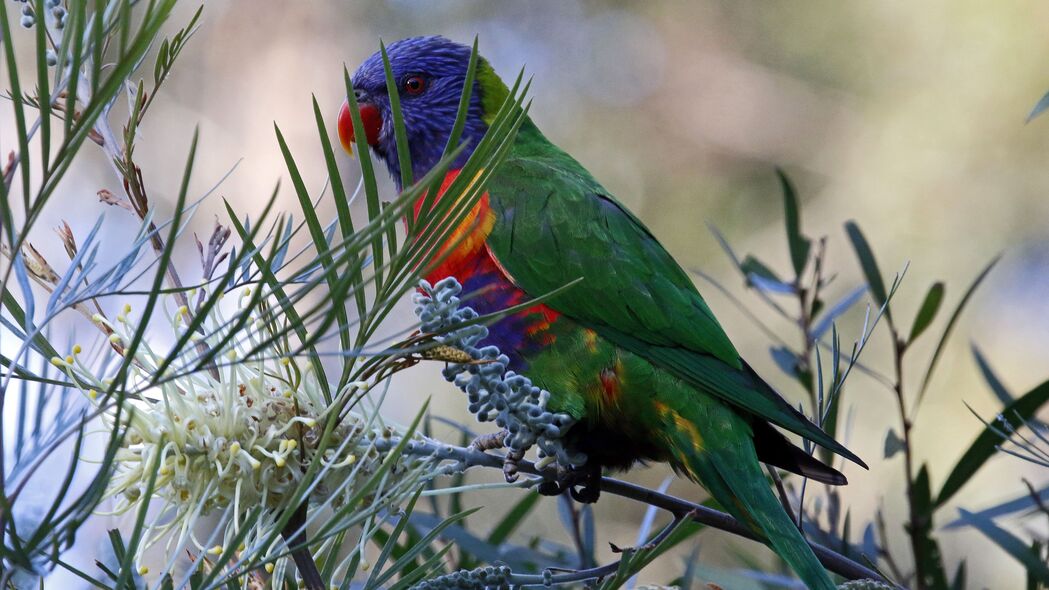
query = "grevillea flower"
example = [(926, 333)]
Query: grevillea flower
[(236, 439)]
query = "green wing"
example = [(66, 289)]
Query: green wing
[(555, 224)]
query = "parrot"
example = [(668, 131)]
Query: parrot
[(631, 351)]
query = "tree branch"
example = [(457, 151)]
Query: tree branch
[(465, 458)]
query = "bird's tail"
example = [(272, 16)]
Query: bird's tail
[(712, 444)]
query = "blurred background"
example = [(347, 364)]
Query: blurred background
[(906, 117)]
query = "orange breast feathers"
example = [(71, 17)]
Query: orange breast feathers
[(459, 254)]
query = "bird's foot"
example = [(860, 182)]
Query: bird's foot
[(497, 440), (510, 465), (583, 483)]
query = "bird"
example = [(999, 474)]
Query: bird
[(631, 351)]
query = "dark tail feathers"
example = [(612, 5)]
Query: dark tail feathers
[(774, 448)]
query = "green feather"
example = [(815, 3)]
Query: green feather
[(750, 500), (493, 90), (725, 462), (555, 223)]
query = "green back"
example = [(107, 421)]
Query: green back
[(555, 224)]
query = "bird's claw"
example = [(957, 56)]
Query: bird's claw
[(584, 484), (510, 465)]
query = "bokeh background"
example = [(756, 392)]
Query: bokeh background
[(906, 117)]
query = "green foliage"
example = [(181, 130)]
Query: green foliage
[(927, 312), (869, 265), (799, 245)]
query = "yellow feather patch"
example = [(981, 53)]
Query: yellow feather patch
[(680, 424)]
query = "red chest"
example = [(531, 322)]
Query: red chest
[(486, 286)]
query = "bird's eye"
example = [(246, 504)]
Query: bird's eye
[(414, 85)]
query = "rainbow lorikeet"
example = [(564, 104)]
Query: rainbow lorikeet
[(632, 351)]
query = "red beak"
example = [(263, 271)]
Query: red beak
[(371, 119)]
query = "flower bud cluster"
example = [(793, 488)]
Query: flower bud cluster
[(482, 578), (495, 393), (54, 7)]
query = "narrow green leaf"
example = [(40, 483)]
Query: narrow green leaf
[(404, 159), (277, 289), (424, 543), (428, 568), (164, 259), (457, 128), (986, 444), (126, 569), (76, 22), (798, 243), (97, 44), (389, 545), (950, 326), (320, 242), (124, 24), (927, 549), (338, 191), (17, 103), (371, 189), (927, 312), (464, 101), (869, 266), (43, 90)]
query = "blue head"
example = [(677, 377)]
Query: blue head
[(430, 73)]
